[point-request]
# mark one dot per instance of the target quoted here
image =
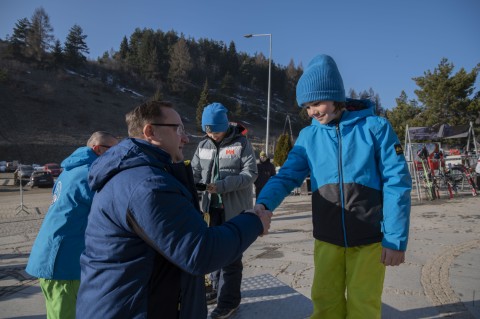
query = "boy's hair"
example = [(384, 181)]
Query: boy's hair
[(339, 105), (143, 114)]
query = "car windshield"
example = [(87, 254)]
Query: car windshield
[(25, 169)]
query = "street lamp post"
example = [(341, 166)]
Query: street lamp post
[(269, 82)]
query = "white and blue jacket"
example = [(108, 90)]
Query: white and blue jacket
[(56, 251), (359, 178)]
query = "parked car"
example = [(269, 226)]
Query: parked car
[(41, 179), (11, 166), (37, 167), (53, 168), (22, 173)]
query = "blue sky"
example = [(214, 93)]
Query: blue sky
[(376, 43)]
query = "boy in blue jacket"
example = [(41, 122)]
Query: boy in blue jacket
[(360, 194)]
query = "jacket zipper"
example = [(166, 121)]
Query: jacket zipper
[(340, 182)]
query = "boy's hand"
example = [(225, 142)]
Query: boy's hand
[(258, 208), (391, 257)]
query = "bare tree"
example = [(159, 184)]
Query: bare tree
[(40, 34), (180, 65)]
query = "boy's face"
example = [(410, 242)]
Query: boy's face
[(216, 136), (323, 111)]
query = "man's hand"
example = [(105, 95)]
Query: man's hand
[(212, 188), (392, 257), (265, 217)]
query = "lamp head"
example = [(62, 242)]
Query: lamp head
[(248, 35)]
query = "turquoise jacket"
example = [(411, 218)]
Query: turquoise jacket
[(56, 251), (359, 178)]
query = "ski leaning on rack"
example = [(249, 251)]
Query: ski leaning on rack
[(430, 188), (442, 173), (469, 178)]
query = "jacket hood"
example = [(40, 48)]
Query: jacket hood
[(355, 110), (81, 156), (127, 154)]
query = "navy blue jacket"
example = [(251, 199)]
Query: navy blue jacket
[(147, 245)]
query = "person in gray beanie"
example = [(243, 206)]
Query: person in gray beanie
[(360, 194), (225, 163)]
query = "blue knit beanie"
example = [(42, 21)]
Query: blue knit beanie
[(321, 81), (214, 118)]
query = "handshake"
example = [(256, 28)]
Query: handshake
[(264, 215)]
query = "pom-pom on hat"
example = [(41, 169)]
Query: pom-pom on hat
[(321, 81), (214, 118)]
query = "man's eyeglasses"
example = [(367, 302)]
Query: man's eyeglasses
[(180, 129)]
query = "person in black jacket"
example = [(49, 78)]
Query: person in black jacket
[(265, 170)]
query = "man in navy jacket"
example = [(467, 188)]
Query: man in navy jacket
[(147, 245)]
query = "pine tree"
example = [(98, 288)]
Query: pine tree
[(284, 145), (352, 94), (448, 98), (401, 115), (232, 60), (238, 110), (75, 46), (18, 40), (228, 84), (158, 96), (202, 102), (124, 49), (57, 53)]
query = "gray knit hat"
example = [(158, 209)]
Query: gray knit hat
[(321, 81)]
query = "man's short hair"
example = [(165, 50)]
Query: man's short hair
[(99, 137), (143, 114)]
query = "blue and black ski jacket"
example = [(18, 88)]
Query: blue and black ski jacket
[(359, 178)]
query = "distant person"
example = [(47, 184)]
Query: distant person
[(265, 170), (225, 162), (147, 247), (55, 255), (360, 194)]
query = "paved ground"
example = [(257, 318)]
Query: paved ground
[(440, 279)]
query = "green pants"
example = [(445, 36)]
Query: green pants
[(347, 282), (60, 297)]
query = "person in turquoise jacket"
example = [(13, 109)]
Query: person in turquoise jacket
[(360, 194), (55, 255)]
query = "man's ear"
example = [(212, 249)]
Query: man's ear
[(148, 131), (96, 149)]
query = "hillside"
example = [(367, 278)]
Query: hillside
[(46, 114)]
